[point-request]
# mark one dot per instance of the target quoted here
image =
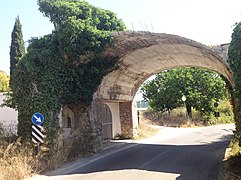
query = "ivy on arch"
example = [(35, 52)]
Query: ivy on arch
[(66, 66), (234, 54)]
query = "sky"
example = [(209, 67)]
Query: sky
[(210, 22)]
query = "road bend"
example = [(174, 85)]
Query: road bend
[(174, 153)]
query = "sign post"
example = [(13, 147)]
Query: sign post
[(37, 130), (216, 113)]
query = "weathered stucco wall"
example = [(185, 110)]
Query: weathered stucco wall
[(135, 117), (145, 54)]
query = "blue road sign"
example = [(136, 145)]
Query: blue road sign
[(37, 118)]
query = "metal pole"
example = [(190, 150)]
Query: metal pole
[(185, 109), (38, 148), (184, 101)]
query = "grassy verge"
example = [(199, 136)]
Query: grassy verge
[(232, 170), (19, 160), (16, 161), (145, 130), (177, 117)]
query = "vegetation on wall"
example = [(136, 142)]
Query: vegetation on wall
[(234, 54), (65, 66), (201, 87)]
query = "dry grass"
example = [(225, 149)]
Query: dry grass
[(232, 161), (145, 130), (175, 119), (17, 161)]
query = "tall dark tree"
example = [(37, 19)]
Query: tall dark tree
[(17, 49)]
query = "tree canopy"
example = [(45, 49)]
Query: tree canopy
[(82, 29), (201, 87), (4, 82)]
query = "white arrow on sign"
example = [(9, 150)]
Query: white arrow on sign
[(38, 119)]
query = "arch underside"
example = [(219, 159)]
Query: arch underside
[(159, 52)]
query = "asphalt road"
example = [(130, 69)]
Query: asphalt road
[(194, 154)]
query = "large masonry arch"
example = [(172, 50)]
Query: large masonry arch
[(143, 54)]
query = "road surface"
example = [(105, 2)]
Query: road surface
[(175, 153)]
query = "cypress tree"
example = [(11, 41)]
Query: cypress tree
[(17, 49)]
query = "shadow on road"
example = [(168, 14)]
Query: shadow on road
[(201, 161)]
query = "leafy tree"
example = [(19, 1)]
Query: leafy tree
[(17, 49), (201, 88), (4, 82), (82, 29)]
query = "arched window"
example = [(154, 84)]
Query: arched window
[(68, 122)]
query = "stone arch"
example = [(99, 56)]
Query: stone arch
[(143, 54)]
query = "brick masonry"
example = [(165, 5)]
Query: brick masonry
[(126, 119)]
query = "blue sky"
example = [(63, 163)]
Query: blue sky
[(207, 21)]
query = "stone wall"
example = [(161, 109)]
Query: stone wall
[(221, 50), (97, 122), (126, 119), (85, 136)]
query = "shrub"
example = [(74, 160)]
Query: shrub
[(16, 160), (145, 130)]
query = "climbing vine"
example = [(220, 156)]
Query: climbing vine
[(234, 55), (66, 66)]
